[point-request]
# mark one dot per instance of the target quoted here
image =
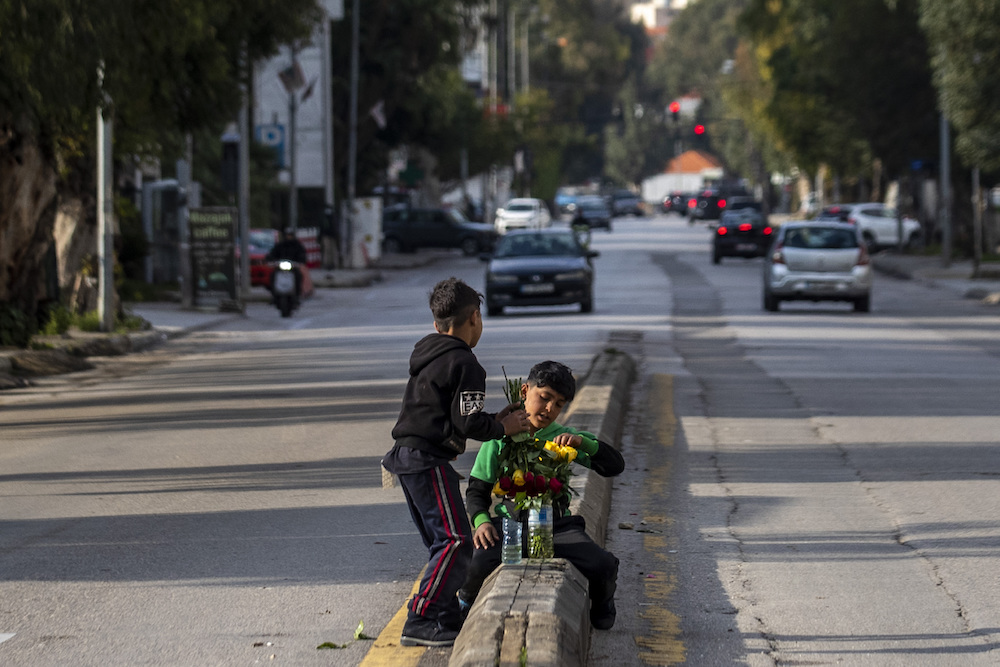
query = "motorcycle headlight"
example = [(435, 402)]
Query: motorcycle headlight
[(285, 265)]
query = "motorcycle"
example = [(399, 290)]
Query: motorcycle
[(283, 287)]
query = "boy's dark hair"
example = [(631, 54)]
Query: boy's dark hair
[(452, 303), (555, 375)]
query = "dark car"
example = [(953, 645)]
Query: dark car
[(626, 202), (405, 229), (743, 232), (710, 203), (676, 202), (592, 211), (543, 267)]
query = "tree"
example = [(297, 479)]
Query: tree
[(844, 71), (965, 41), (169, 67)]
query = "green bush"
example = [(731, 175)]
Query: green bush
[(59, 322), (90, 321), (16, 328)]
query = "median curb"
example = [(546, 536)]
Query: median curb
[(537, 613)]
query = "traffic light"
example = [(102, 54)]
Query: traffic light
[(699, 129), (675, 110)]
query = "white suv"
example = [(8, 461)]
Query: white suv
[(879, 228), (523, 213)]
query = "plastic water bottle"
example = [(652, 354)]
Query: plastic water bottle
[(510, 552), (540, 541)]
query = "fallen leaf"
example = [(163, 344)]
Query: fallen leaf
[(360, 632), (330, 645)]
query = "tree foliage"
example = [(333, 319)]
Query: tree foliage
[(965, 42), (843, 72), (169, 66)]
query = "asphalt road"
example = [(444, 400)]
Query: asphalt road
[(813, 486)]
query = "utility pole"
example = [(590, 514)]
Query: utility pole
[(105, 215), (243, 184), (945, 187), (352, 141), (293, 185), (327, 107)]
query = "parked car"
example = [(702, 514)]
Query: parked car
[(592, 211), (626, 202), (743, 232), (405, 229), (260, 243), (818, 260), (879, 227), (544, 267), (523, 213)]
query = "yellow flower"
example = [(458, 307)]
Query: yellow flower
[(497, 491), (518, 478), (569, 453)]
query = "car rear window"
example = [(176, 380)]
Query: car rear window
[(826, 238)]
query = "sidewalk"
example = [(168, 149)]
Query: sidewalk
[(957, 277)]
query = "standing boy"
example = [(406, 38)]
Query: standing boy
[(442, 406), (549, 387)]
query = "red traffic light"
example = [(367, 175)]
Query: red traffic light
[(699, 129), (675, 106)]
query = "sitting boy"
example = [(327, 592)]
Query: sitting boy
[(549, 387)]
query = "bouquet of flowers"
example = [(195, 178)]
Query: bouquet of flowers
[(533, 472)]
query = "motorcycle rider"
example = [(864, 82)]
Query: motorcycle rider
[(289, 248)]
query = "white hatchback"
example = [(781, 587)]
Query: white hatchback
[(523, 213)]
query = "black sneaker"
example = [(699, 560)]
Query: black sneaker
[(426, 632), (603, 617)]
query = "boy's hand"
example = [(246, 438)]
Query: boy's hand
[(568, 439), (515, 422), (486, 536)]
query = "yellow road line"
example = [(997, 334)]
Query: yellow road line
[(386, 650), (663, 645)]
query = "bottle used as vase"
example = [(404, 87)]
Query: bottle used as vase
[(540, 543)]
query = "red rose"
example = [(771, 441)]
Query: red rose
[(529, 478), (555, 485), (541, 484), (506, 483)]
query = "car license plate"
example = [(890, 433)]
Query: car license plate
[(746, 246), (538, 288)]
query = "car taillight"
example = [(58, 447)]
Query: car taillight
[(722, 231), (722, 203), (768, 231), (692, 203), (778, 256), (863, 257), (851, 220), (746, 227)]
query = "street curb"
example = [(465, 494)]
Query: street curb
[(541, 606)]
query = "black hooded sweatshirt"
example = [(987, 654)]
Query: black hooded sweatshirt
[(444, 399)]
